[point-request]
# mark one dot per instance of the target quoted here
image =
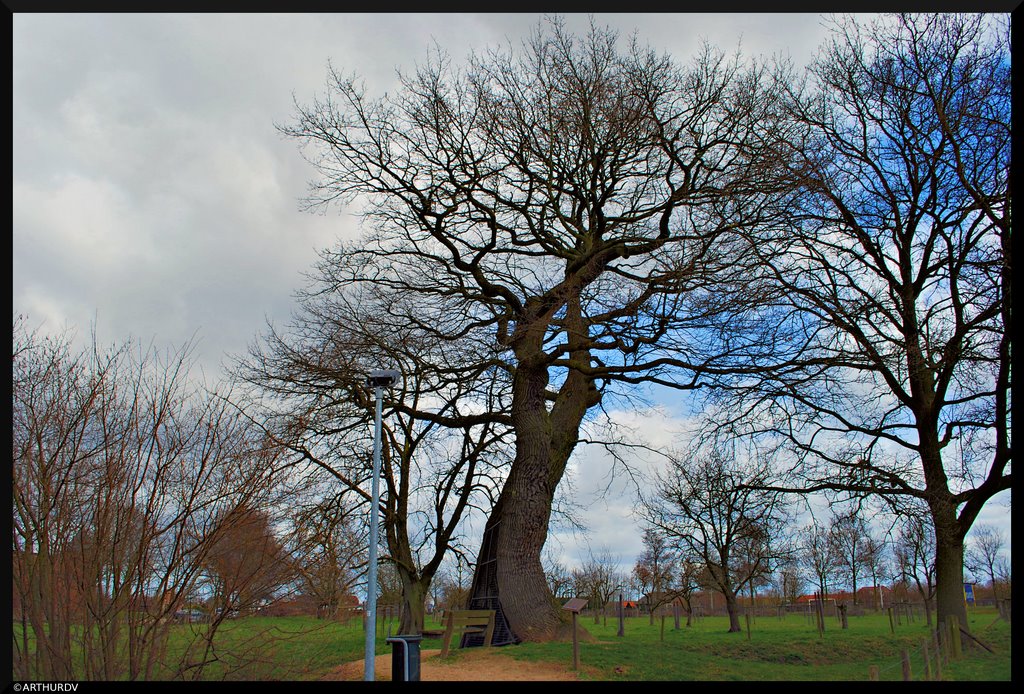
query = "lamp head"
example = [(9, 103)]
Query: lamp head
[(383, 379)]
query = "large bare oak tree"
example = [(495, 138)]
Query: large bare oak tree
[(567, 203)]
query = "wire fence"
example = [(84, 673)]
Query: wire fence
[(947, 642)]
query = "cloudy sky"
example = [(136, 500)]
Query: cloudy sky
[(153, 196)]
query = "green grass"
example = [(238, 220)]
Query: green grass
[(304, 648), (259, 648), (280, 648), (787, 649)]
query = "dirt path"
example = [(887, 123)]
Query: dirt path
[(475, 664)]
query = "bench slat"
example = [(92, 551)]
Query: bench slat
[(461, 622)]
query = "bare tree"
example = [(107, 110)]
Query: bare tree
[(121, 464), (328, 550), (564, 208), (817, 554), (444, 436), (789, 580), (390, 590), (889, 327), (758, 554), (718, 510), (560, 579), (1004, 574), (246, 564), (654, 569), (454, 584), (876, 562), (984, 553), (847, 533), (599, 580), (914, 553), (686, 582)]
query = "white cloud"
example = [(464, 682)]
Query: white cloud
[(91, 224), (604, 495)]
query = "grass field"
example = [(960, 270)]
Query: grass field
[(786, 649), (302, 648)]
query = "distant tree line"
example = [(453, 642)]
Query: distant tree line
[(842, 556)]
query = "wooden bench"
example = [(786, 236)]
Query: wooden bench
[(459, 622)]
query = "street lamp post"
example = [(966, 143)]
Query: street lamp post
[(378, 380)]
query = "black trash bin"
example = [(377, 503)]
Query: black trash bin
[(405, 657)]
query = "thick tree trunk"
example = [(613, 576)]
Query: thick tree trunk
[(949, 539), (522, 587), (414, 593), (949, 573), (509, 576), (734, 611)]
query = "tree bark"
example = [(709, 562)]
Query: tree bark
[(949, 538), (734, 613), (509, 563), (949, 567), (414, 593)]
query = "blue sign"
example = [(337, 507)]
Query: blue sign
[(969, 593)]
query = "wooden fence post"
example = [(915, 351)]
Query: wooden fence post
[(892, 627), (622, 618), (905, 657), (955, 629), (938, 655), (927, 665), (575, 644), (873, 673), (821, 614)]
